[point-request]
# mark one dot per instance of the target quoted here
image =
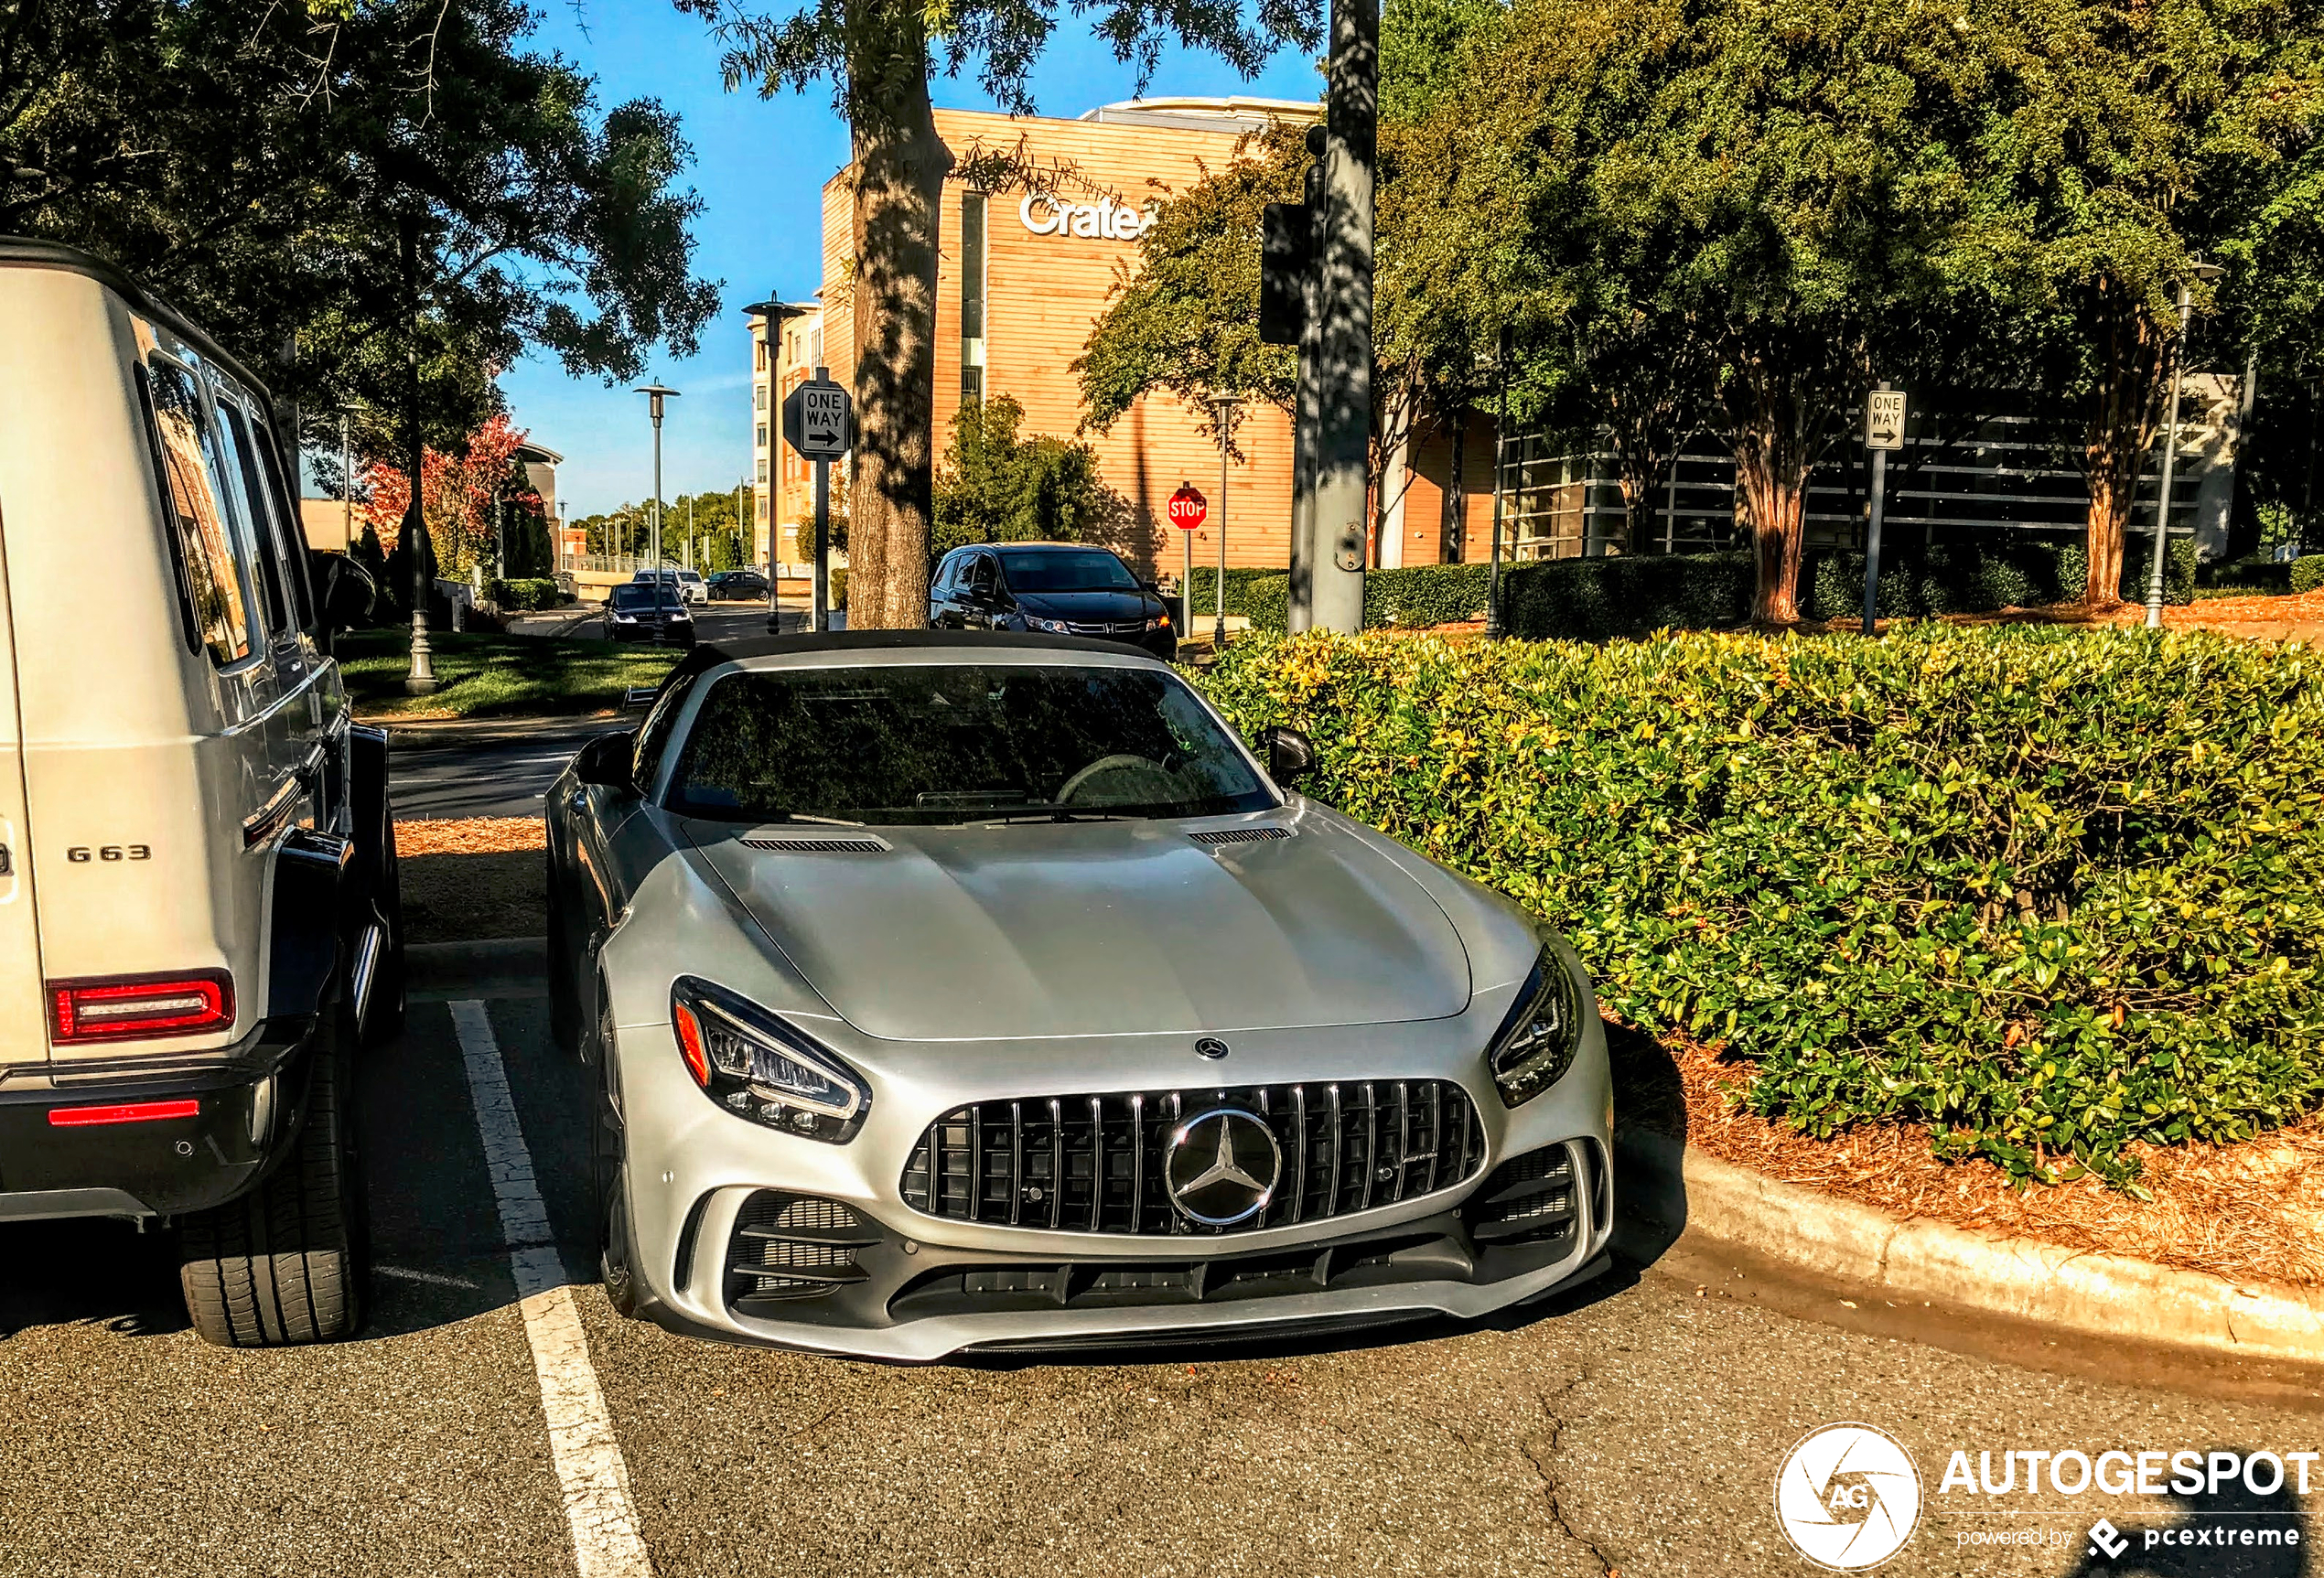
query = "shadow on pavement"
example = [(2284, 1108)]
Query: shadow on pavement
[(90, 1272), (2180, 1548)]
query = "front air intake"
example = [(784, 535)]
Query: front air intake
[(791, 1247), (817, 843)]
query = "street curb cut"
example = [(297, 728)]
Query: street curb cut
[(1666, 1181)]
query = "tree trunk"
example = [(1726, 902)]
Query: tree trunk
[(1774, 451), (898, 171), (2127, 404)]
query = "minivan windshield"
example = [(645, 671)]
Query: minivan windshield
[(1065, 570), (929, 743)]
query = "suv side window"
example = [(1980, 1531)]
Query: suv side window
[(287, 544), (984, 576), (195, 500), (256, 517)]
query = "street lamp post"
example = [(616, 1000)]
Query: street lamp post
[(2170, 445), (655, 395), (771, 312), (1226, 406)]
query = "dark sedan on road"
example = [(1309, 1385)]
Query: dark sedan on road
[(1050, 588), (737, 586), (649, 611)]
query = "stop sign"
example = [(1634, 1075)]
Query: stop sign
[(1188, 509)]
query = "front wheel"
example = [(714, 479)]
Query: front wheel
[(288, 1261), (608, 1176)]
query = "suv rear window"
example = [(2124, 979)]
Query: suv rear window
[(196, 507)]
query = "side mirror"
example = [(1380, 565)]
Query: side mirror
[(1289, 754), (606, 760), (349, 593)]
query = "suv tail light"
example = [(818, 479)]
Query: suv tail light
[(140, 1007)]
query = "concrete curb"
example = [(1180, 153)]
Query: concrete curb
[(1664, 1181), (407, 738)]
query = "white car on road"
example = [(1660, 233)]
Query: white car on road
[(691, 586)]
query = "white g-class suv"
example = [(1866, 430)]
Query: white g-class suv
[(198, 915)]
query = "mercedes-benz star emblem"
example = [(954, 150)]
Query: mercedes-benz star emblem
[(1212, 1048), (1222, 1166)]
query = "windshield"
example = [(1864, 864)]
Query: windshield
[(920, 744), (1065, 570), (633, 595)]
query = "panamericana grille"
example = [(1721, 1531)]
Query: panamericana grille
[(817, 843), (792, 1247), (1094, 1163)]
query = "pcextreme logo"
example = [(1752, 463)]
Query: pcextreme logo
[(1849, 1496)]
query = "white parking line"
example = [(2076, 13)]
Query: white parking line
[(593, 1478)]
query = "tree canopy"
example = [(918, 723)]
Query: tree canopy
[(257, 162)]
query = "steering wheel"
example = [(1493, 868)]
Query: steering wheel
[(1121, 762)]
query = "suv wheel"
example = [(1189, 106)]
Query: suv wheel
[(287, 1262)]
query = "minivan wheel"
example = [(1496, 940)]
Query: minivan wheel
[(288, 1261)]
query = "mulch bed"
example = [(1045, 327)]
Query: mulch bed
[(473, 878), (2252, 1212)]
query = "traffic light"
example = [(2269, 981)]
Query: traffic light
[(1287, 254)]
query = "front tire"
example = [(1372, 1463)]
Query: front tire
[(608, 1171), (289, 1261)]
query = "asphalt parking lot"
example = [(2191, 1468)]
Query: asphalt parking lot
[(1635, 1427)]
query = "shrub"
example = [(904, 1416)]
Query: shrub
[(2245, 577), (2307, 573), (2047, 891), (1239, 580), (1268, 602), (1978, 578), (1415, 595), (1595, 600), (541, 592)]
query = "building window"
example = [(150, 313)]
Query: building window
[(762, 436), (762, 355), (762, 471), (818, 343), (759, 397), (972, 383), (973, 265)]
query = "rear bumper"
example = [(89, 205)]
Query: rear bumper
[(244, 1116)]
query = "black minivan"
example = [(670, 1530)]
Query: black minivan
[(1057, 588)]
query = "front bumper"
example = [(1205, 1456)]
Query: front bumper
[(245, 1113), (913, 1301)]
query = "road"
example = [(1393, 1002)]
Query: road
[(713, 621), (1635, 1428)]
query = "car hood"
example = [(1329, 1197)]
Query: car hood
[(1088, 606), (1092, 929)]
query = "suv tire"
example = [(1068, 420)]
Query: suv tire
[(286, 1263)]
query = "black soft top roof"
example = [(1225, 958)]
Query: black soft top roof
[(27, 252)]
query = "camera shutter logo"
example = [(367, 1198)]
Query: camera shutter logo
[(1849, 1496)]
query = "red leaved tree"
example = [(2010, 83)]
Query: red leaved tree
[(456, 493)]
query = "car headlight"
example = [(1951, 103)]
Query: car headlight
[(760, 1067), (625, 618), (1159, 622), (1054, 627), (1536, 1041)]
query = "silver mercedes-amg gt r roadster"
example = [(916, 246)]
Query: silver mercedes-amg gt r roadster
[(942, 991)]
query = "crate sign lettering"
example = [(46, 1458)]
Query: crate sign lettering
[(1884, 420)]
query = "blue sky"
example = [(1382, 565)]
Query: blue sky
[(759, 167)]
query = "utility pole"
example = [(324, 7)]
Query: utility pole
[(1343, 337), (1306, 405)]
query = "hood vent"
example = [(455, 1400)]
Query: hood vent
[(1239, 834), (817, 842)]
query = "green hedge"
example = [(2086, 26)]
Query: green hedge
[(2046, 891), (535, 592), (1267, 601), (1598, 599), (2307, 573), (2245, 577), (1408, 597), (1976, 578), (1239, 580)]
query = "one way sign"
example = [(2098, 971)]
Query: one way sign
[(815, 420)]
